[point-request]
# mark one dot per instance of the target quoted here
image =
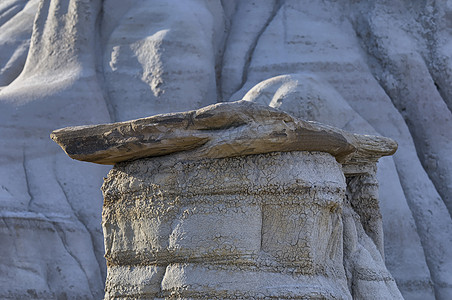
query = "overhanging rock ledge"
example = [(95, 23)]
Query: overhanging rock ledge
[(216, 131)]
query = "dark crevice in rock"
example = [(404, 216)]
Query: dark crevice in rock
[(219, 56), (249, 55), (27, 180), (9, 11), (99, 258), (62, 235), (100, 73)]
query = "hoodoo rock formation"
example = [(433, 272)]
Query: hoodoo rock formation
[(373, 67), (236, 201)]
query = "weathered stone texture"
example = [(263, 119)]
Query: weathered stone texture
[(217, 131), (267, 206), (266, 224), (371, 67)]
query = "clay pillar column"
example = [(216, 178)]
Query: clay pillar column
[(232, 201), (236, 227)]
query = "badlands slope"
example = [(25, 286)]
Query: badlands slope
[(372, 67)]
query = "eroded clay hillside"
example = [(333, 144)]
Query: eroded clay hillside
[(371, 67)]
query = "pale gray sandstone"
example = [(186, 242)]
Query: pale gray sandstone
[(238, 200), (372, 67)]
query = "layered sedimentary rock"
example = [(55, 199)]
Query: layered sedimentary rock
[(216, 131), (238, 200), (372, 67), (231, 228)]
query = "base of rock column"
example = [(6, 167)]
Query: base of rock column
[(256, 226)]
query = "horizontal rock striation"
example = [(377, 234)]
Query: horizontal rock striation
[(248, 226)]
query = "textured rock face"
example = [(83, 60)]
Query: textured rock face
[(228, 228), (217, 131), (375, 67), (247, 213)]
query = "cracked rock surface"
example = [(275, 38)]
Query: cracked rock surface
[(371, 67), (274, 225)]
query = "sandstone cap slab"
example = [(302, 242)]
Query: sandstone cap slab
[(216, 131)]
